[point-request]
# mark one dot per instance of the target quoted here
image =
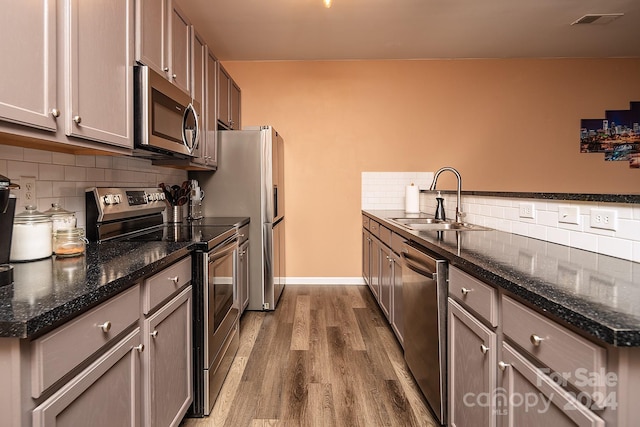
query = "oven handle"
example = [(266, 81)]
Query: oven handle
[(225, 247)]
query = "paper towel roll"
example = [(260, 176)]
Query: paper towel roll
[(412, 199)]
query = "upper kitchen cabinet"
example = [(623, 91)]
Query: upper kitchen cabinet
[(228, 100), (199, 59), (98, 74), (69, 80), (28, 46), (163, 39)]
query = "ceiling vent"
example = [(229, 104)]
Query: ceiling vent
[(598, 18)]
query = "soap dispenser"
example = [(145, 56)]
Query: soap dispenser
[(440, 207)]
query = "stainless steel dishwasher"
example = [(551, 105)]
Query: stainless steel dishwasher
[(424, 282)]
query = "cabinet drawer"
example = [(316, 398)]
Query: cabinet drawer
[(164, 284), (374, 228), (563, 351), (61, 350), (365, 222), (396, 243), (472, 293), (385, 235)]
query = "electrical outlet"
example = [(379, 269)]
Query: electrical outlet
[(527, 210), (569, 214), (28, 187), (604, 218)]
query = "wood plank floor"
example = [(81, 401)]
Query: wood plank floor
[(325, 357)]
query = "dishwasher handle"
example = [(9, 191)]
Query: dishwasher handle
[(419, 268)]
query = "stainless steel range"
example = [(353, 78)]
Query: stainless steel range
[(135, 214)]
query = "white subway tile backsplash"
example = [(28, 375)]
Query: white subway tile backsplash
[(62, 178)]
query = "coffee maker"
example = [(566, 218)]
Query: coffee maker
[(7, 210)]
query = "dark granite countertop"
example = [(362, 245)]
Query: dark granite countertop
[(49, 292), (597, 294)]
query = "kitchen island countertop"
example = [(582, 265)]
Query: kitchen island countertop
[(596, 294)]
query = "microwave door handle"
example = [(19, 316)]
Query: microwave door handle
[(192, 142)]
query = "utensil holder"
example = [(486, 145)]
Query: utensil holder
[(175, 213)]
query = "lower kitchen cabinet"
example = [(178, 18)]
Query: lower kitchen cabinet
[(472, 369), (243, 268), (374, 267), (386, 280), (531, 398), (167, 363), (366, 256), (105, 394)]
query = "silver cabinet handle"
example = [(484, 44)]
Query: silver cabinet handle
[(140, 348), (106, 326), (154, 334), (174, 279), (536, 340), (55, 112), (484, 349), (465, 291), (77, 119), (503, 365)]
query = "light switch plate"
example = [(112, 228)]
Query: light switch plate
[(569, 214)]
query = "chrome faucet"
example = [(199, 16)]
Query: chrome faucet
[(459, 213)]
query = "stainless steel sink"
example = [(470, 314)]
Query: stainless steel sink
[(430, 224)]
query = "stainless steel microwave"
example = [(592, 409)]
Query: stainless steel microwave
[(166, 118)]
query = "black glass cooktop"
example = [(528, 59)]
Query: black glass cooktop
[(181, 232)]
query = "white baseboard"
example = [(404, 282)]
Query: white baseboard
[(324, 281)]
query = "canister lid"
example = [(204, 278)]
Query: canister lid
[(57, 210), (31, 215), (69, 233)]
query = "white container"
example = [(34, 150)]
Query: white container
[(32, 231)]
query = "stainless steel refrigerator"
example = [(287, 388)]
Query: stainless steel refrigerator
[(249, 182)]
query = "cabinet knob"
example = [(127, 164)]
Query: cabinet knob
[(174, 279), (535, 340), (165, 69), (154, 334), (503, 365), (484, 349), (140, 348), (174, 76), (77, 119), (465, 291), (106, 326), (55, 112)]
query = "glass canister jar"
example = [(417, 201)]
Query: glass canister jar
[(31, 235), (69, 242), (61, 219)]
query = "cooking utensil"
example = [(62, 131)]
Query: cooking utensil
[(182, 200)]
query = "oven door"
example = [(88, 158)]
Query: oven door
[(221, 311)]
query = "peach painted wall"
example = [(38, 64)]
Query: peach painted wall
[(506, 125)]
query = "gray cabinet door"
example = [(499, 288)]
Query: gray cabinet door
[(234, 105), (374, 278), (151, 30), (397, 312), (366, 256), (386, 280), (98, 65), (211, 149), (28, 47), (167, 365), (105, 394), (199, 92), (531, 399), (243, 275), (472, 370), (224, 82), (180, 49)]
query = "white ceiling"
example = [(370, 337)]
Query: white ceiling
[(413, 29)]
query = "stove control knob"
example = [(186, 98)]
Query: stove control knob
[(156, 197), (116, 199), (108, 199), (161, 196)]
